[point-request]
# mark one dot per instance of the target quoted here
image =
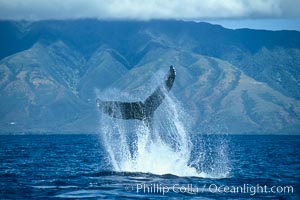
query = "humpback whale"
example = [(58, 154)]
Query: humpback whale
[(143, 111)]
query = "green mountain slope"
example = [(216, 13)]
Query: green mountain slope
[(235, 81)]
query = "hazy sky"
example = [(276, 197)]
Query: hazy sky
[(232, 13)]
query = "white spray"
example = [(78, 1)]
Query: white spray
[(131, 146)]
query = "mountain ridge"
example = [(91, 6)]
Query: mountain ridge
[(50, 85)]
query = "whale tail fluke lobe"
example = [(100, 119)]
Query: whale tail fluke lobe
[(139, 110)]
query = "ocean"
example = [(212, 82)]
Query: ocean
[(62, 166)]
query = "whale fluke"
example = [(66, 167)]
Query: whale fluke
[(139, 110)]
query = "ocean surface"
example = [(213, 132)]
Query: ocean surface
[(78, 167)]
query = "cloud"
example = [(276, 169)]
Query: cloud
[(148, 9)]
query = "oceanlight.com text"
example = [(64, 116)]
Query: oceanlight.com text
[(208, 188)]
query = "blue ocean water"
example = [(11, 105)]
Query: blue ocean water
[(77, 166)]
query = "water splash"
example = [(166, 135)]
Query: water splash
[(168, 149)]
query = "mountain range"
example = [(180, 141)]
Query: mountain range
[(229, 81)]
